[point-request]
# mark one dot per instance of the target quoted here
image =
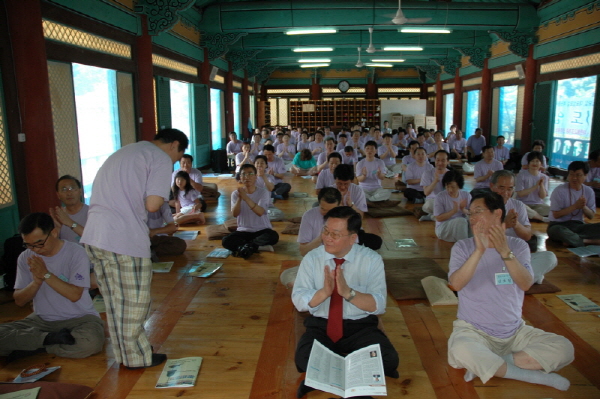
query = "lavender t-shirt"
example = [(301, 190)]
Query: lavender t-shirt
[(314, 144), (522, 218), (444, 203), (239, 158), (117, 216), (349, 160), (277, 166), (593, 175), (524, 161), (459, 145), (501, 154), (427, 178), (189, 198), (194, 173), (563, 197), (494, 309), (66, 233), (476, 144), (325, 179), (290, 154), (234, 148), (526, 180), (414, 171), (323, 157), (311, 225), (72, 265), (158, 219), (372, 182), (302, 145), (482, 168), (247, 220), (391, 158)]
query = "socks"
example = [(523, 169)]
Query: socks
[(63, 337), (537, 377)]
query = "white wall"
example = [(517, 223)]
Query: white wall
[(405, 107)]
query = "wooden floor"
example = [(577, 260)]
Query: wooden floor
[(241, 321)]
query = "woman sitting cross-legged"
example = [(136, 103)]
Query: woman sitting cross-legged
[(187, 200), (249, 204), (450, 209)]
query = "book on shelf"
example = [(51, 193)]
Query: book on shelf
[(179, 373), (360, 373)]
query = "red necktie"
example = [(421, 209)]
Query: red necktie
[(335, 322)]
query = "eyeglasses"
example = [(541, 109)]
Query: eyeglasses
[(248, 174), (475, 213), (69, 188), (36, 246), (335, 236)]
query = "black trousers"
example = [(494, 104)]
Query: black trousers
[(412, 194), (238, 238), (369, 240), (474, 159), (282, 189), (357, 335)]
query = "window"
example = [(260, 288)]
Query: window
[(237, 115), (252, 121), (181, 111), (97, 119), (216, 118), (507, 113), (472, 120), (573, 120), (448, 110)]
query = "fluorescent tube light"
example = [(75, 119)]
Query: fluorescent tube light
[(313, 65), (374, 64), (389, 60), (310, 49), (315, 60), (310, 31), (424, 30), (403, 48)]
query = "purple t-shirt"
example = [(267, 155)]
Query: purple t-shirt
[(277, 166), (66, 233), (194, 173), (476, 144), (501, 154), (349, 160), (234, 148), (444, 203), (494, 309), (311, 225), (256, 148), (414, 171), (522, 218), (594, 174), (302, 145), (355, 144), (323, 157), (314, 144), (117, 215), (325, 179), (247, 220), (482, 168), (391, 158), (158, 219), (340, 147), (427, 178), (563, 197), (524, 161), (239, 160), (372, 182), (261, 183), (189, 198), (408, 159), (459, 145), (526, 180), (432, 148), (72, 265), (357, 196), (289, 155)]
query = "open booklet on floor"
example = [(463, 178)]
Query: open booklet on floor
[(589, 250), (179, 373), (358, 374)]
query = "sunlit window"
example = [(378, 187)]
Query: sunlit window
[(472, 121), (97, 119), (181, 111), (448, 110), (507, 113), (215, 118), (237, 115), (252, 112), (573, 120)]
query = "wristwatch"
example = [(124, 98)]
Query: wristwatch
[(510, 256), (74, 225), (352, 295), (47, 276)]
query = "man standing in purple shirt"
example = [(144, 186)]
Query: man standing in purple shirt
[(132, 182), (569, 203), (475, 145), (484, 169), (491, 273)]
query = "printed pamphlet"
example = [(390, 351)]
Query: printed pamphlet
[(179, 373), (35, 377), (589, 250), (358, 374), (162, 267), (203, 269), (22, 394), (580, 303), (219, 253), (186, 234)]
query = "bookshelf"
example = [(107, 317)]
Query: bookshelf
[(335, 113), (264, 113)]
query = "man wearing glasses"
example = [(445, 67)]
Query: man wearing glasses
[(71, 217), (55, 275), (342, 285), (491, 273), (249, 204)]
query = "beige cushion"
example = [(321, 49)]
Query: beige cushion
[(217, 232)]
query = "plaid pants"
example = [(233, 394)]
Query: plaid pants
[(124, 282)]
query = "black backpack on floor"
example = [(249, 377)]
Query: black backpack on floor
[(13, 246)]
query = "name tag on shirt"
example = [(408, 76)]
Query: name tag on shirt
[(503, 279), (63, 278)]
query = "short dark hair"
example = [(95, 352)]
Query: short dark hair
[(501, 173), (330, 195), (170, 135), (485, 148), (535, 155), (67, 177), (334, 155), (349, 148), (264, 158), (492, 201), (343, 172), (248, 166), (594, 155), (421, 148), (329, 138), (342, 135), (352, 217), (387, 135), (188, 156), (40, 220), (579, 165), (500, 137), (268, 147), (370, 143), (453, 176), (538, 142), (441, 152), (413, 142)]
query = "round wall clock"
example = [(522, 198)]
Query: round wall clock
[(344, 86)]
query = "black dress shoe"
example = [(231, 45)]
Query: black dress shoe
[(303, 390), (247, 250), (157, 358)]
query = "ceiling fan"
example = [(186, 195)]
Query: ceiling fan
[(359, 63), (370, 49), (400, 19)]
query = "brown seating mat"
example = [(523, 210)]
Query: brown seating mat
[(403, 276)]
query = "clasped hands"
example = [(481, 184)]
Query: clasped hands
[(491, 237), (334, 279), (38, 268)]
